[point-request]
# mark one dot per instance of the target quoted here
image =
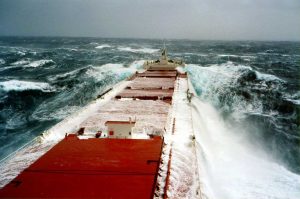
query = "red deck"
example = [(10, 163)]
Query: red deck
[(146, 93), (152, 83), (157, 74), (92, 168)]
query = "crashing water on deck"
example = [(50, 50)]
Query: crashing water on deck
[(246, 113)]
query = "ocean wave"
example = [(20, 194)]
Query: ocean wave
[(21, 53), (267, 77), (68, 75), (294, 98), (18, 85), (33, 64), (244, 57), (2, 61), (39, 63), (187, 53), (69, 49), (103, 46), (234, 88), (227, 55), (239, 90), (138, 50), (119, 71), (21, 62), (42, 113)]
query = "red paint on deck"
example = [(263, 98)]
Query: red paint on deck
[(92, 168), (152, 83), (144, 93), (157, 74)]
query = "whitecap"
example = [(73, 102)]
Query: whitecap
[(267, 77), (21, 53), (18, 85), (294, 101), (294, 98), (39, 63), (138, 50), (118, 70), (21, 62), (217, 80), (2, 61), (103, 46), (248, 57), (70, 74), (225, 55)]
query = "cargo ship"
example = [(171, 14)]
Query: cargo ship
[(136, 140)]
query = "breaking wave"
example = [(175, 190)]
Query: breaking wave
[(2, 61), (228, 160), (103, 46), (33, 64), (87, 83), (21, 62), (255, 100), (39, 63), (118, 70), (235, 88), (18, 85), (138, 50)]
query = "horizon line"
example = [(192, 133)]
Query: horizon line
[(145, 38)]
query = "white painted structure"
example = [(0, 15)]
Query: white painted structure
[(119, 129)]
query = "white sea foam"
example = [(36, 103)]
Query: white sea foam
[(294, 98), (227, 55), (21, 53), (21, 62), (103, 46), (244, 57), (118, 70), (267, 77), (217, 80), (17, 85), (2, 61), (39, 63), (70, 74), (34, 64), (231, 167), (138, 50)]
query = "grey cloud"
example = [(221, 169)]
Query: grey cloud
[(190, 19)]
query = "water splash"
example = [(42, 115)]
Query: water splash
[(233, 167)]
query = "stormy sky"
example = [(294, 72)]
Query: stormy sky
[(162, 19)]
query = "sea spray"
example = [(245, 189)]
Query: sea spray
[(234, 168), (252, 99)]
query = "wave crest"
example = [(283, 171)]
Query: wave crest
[(32, 64), (18, 85), (39, 63), (138, 50), (2, 61), (235, 88), (103, 46)]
